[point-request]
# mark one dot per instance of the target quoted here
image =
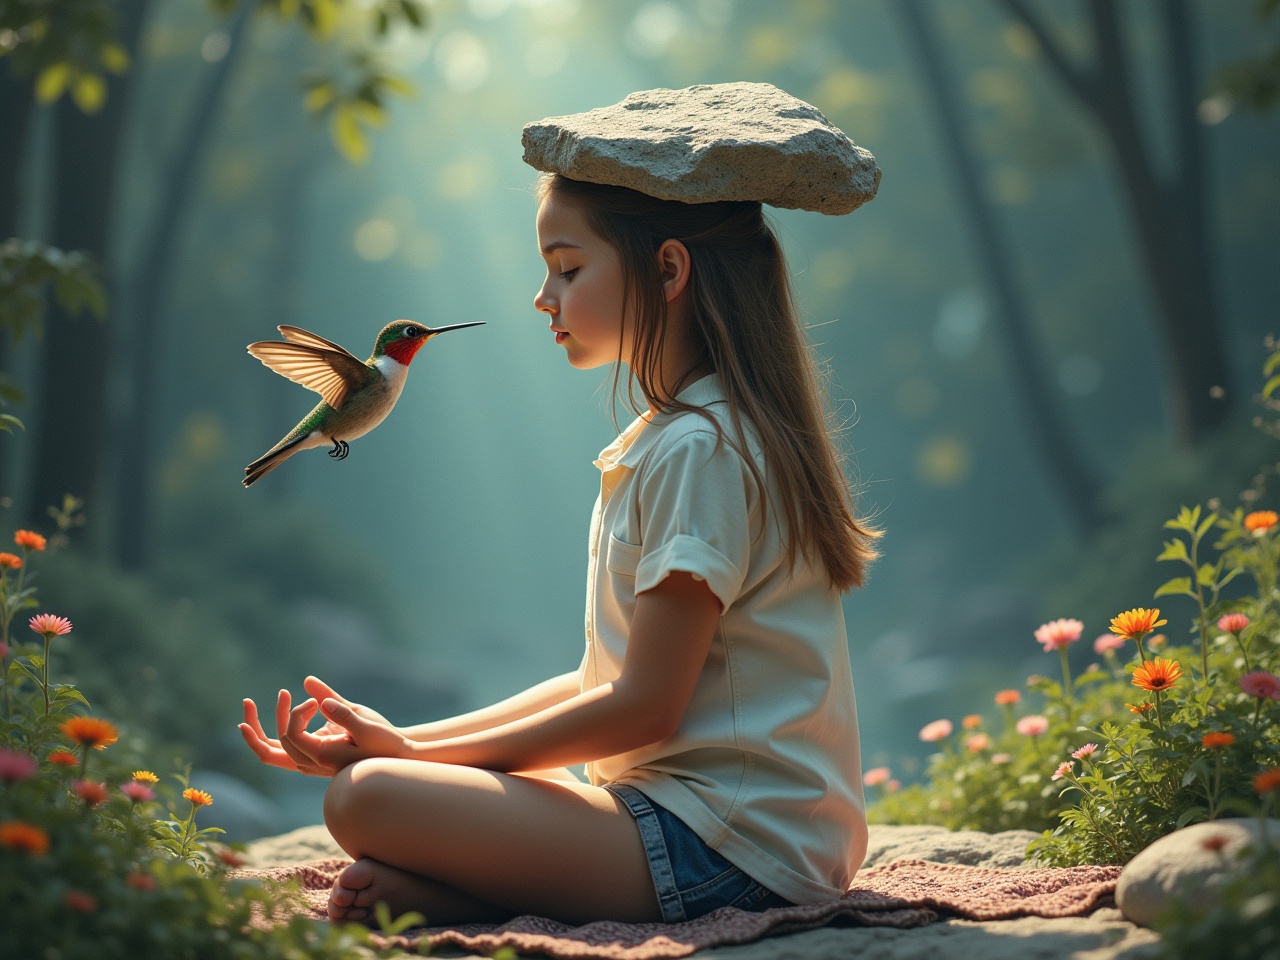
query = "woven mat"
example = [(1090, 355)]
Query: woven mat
[(905, 893)]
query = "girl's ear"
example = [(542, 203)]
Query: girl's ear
[(673, 267)]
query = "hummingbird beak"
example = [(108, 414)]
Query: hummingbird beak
[(457, 326)]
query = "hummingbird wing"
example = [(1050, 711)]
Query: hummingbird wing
[(309, 339), (332, 373)]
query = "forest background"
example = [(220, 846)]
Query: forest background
[(1044, 333)]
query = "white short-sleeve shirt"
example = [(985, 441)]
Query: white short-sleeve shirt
[(765, 765)]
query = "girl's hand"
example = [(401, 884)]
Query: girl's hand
[(363, 737), (322, 691)]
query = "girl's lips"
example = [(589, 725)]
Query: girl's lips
[(560, 337)]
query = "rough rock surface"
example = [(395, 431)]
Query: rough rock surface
[(1103, 935), (723, 141), (1181, 866)]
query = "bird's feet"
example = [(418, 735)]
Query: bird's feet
[(340, 450)]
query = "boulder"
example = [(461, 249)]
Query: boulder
[(722, 141), (940, 845), (1188, 865)]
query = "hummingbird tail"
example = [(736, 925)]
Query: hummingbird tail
[(272, 459)]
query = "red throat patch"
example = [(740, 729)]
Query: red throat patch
[(402, 351)]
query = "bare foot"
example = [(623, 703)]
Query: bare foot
[(365, 882)]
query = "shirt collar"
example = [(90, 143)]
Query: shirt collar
[(635, 440)]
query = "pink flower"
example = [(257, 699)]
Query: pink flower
[(1032, 726), (4, 649), (893, 786), (1260, 684), (1085, 751), (49, 626), (1233, 622), (90, 791), (1106, 642), (876, 776), (1057, 634), (1063, 769), (15, 765), (938, 730), (137, 792), (1000, 759), (978, 742)]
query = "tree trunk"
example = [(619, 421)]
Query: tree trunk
[(16, 106), (138, 355), (1059, 454), (1170, 219), (70, 448)]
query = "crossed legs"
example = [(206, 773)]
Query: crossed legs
[(460, 844)]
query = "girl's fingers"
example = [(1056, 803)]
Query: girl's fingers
[(295, 726), (272, 756), (321, 690), (283, 703), (251, 718)]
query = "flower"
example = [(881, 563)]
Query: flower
[(1140, 708), (10, 561), (1158, 674), (63, 758), (140, 881), (1000, 759), (1260, 684), (1268, 781), (1136, 623), (1064, 768), (16, 765), (231, 858), (1086, 751), (1057, 634), (1005, 698), (876, 776), (978, 742), (79, 900), (971, 721), (198, 798), (1260, 521), (91, 732), (90, 791), (4, 649), (145, 776), (1233, 622), (1215, 739), (137, 792), (1214, 843), (938, 730), (27, 837), (1032, 726), (1107, 642), (893, 786), (1157, 640), (29, 539), (49, 626)]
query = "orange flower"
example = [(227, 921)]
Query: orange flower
[(1136, 623), (1260, 521), (10, 561), (198, 797), (1008, 697), (27, 837), (1214, 843), (1213, 741), (1140, 708), (64, 758), (231, 857), (145, 776), (49, 626), (971, 721), (29, 539), (91, 792), (91, 732), (1158, 674), (79, 900), (1268, 781)]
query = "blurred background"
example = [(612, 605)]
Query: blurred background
[(1043, 335)]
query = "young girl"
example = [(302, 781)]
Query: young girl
[(714, 707)]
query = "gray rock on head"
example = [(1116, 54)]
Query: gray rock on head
[(723, 141)]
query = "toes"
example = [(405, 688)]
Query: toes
[(356, 876), (341, 896)]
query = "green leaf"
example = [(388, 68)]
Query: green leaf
[(399, 85), (1273, 361), (114, 57), (1270, 387), (1180, 585), (324, 16), (413, 13), (1207, 575), (21, 669), (1204, 527), (8, 421), (89, 92), (1190, 814), (1175, 550), (318, 96), (52, 80), (65, 692), (347, 135)]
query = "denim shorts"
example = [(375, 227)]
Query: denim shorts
[(690, 878)]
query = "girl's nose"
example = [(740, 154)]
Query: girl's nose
[(545, 303)]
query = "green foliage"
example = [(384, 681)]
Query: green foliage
[(27, 268), (1204, 721), (90, 872), (1255, 81), (68, 46)]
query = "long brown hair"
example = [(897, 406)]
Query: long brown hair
[(744, 319)]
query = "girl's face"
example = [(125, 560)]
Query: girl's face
[(583, 291)]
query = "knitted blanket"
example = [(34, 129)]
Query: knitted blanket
[(904, 893)]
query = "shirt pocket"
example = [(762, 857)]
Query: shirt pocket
[(622, 558)]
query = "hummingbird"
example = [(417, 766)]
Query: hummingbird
[(358, 394)]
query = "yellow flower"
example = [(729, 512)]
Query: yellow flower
[(145, 776), (1136, 623)]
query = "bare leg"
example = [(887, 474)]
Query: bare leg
[(469, 844)]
